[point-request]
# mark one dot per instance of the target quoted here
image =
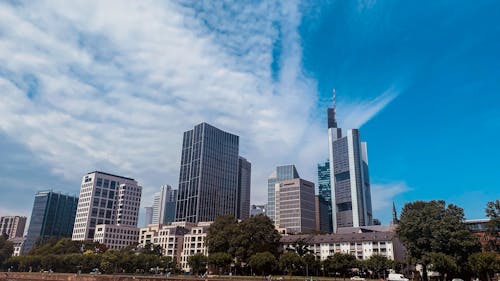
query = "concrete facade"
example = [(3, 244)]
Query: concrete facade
[(106, 199), (360, 244), (116, 236), (295, 205), (12, 226)]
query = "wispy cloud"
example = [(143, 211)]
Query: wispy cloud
[(383, 195), (112, 85), (354, 114)]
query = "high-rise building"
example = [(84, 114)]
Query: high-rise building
[(12, 226), (294, 203), (148, 215), (208, 178), (325, 197), (164, 203), (244, 181), (106, 199), (53, 215), (284, 172), (350, 182)]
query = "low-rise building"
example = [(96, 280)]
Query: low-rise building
[(18, 243), (169, 237), (179, 240), (363, 244), (12, 226), (116, 236), (194, 243)]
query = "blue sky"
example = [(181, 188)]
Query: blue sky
[(112, 85)]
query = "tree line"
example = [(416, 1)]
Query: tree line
[(436, 237), (65, 255)]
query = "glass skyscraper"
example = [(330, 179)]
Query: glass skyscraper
[(325, 197), (164, 205), (208, 177), (284, 172), (351, 195), (53, 215), (244, 182)]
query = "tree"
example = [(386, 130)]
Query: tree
[(493, 231), (221, 233), (198, 263), (152, 249), (378, 264), (262, 263), (340, 263), (312, 264), (257, 235), (300, 247), (443, 264), (427, 227), (484, 264), (109, 261), (290, 263), (6, 248), (220, 260)]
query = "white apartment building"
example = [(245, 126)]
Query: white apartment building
[(169, 237), (18, 245), (194, 243), (179, 240), (13, 226), (116, 236), (362, 244), (106, 199)]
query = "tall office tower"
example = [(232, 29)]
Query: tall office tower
[(12, 226), (106, 199), (53, 215), (325, 197), (208, 178), (148, 216), (294, 202), (244, 181), (164, 203), (285, 172), (351, 196)]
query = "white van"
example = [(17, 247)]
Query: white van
[(396, 277)]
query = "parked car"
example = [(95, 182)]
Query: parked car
[(396, 277), (357, 278)]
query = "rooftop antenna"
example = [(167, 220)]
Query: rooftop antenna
[(334, 102)]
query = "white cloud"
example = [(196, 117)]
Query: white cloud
[(383, 195), (115, 84)]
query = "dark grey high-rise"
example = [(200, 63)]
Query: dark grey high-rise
[(208, 178), (244, 182), (350, 182), (325, 197), (53, 215)]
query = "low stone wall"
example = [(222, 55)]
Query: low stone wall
[(83, 277)]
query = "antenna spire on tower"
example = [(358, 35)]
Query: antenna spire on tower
[(334, 101)]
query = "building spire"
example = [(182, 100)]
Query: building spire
[(332, 118), (334, 104), (395, 219)]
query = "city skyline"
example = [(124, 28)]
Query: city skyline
[(91, 92)]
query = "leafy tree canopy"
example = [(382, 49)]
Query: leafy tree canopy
[(262, 263), (493, 231), (433, 227)]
